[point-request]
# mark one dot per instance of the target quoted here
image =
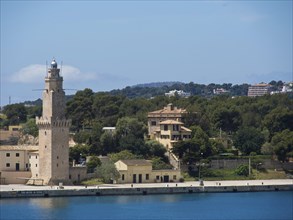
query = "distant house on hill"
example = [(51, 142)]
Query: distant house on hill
[(259, 90)]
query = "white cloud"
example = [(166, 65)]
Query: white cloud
[(36, 73)]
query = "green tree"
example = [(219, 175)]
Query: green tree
[(130, 134), (93, 163), (242, 170), (16, 113), (278, 120), (159, 164), (156, 150), (123, 155), (227, 120), (108, 143), (107, 172), (79, 109), (78, 151), (249, 139), (30, 128), (283, 144)]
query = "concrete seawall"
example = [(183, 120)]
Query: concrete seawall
[(141, 190)]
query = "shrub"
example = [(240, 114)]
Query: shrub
[(242, 170)]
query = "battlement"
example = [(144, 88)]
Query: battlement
[(46, 123)]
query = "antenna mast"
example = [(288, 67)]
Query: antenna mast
[(61, 67), (46, 68)]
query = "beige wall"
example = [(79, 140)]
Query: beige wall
[(14, 177), (77, 174), (34, 164), (10, 158)]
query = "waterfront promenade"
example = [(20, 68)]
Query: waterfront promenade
[(228, 183)]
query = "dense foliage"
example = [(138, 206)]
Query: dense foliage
[(219, 123)]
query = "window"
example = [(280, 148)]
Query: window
[(36, 175), (70, 176), (7, 154), (147, 176), (45, 132), (36, 157), (122, 177), (175, 127), (57, 157), (17, 154), (153, 123), (165, 127), (7, 164), (45, 146), (157, 177), (36, 165), (174, 177), (57, 165)]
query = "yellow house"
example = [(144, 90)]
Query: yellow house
[(140, 171), (170, 132), (169, 112)]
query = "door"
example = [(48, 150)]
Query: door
[(166, 179), (140, 178), (17, 166), (134, 178)]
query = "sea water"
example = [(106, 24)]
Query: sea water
[(242, 206)]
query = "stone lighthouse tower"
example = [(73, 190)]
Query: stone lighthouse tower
[(53, 131)]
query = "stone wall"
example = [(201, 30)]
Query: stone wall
[(78, 174)]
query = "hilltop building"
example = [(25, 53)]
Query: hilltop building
[(166, 127), (180, 93), (259, 90), (171, 132), (169, 112)]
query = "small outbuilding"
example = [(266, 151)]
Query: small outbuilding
[(140, 171)]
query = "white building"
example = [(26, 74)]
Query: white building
[(259, 90)]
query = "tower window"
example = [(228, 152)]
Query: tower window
[(36, 165), (7, 154), (57, 165), (57, 157), (17, 154), (7, 164), (36, 157), (45, 132), (45, 146)]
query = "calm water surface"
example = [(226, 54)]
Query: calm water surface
[(260, 205)]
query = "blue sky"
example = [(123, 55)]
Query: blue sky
[(106, 45)]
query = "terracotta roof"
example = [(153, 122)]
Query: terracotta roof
[(171, 122), (169, 109), (136, 162)]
